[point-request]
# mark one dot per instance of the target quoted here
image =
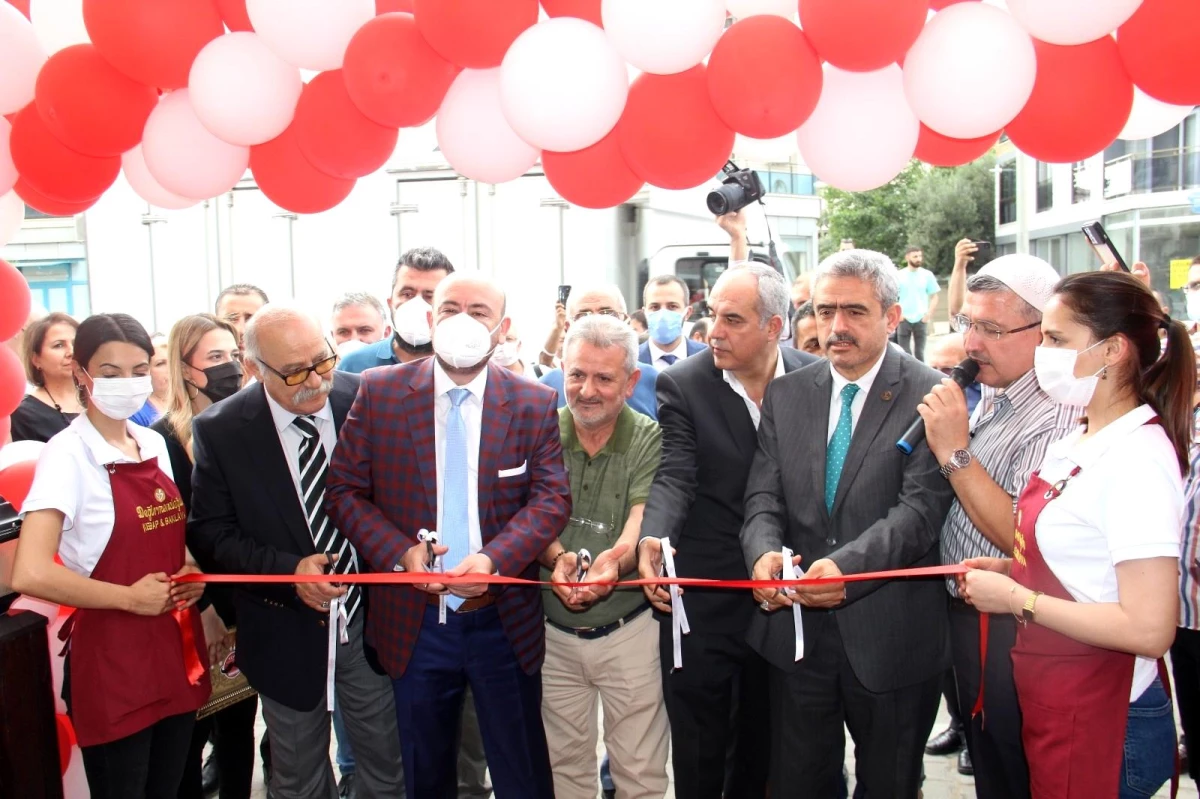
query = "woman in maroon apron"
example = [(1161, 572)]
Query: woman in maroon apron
[(1094, 573), (103, 500)]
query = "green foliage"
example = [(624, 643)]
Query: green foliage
[(930, 207)]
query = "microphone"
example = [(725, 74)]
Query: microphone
[(964, 374)]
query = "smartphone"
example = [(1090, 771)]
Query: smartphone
[(563, 293), (982, 245), (1102, 244)]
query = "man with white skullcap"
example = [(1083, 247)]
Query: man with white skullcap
[(988, 458)]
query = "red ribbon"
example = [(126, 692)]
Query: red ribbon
[(191, 656), (422, 578)]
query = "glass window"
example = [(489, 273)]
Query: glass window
[(1045, 187), (1008, 192), (1080, 193), (1161, 244)]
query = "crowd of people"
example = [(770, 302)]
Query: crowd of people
[(758, 441)]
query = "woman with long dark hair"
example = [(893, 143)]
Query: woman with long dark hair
[(104, 502), (1094, 574)]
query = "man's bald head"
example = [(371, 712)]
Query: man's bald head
[(281, 340), (597, 298), (946, 352), (479, 288)]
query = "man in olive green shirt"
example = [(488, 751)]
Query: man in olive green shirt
[(603, 643)]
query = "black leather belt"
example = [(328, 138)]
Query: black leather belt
[(588, 633)]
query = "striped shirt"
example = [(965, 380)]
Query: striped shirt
[(1189, 586), (1010, 430)]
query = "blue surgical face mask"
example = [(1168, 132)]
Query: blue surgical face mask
[(665, 326)]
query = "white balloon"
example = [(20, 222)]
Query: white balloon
[(59, 23), (312, 34), (19, 452), (8, 170), (23, 58), (473, 134), (766, 151), (133, 164), (842, 145), (970, 72), (563, 85), (183, 157), (741, 9), (1071, 21), (242, 91), (1151, 117), (12, 214), (664, 36)]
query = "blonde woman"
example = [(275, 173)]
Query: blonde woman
[(204, 367)]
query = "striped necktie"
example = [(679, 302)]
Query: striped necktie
[(314, 467)]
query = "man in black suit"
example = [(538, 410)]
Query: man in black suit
[(258, 486), (829, 483), (708, 407)]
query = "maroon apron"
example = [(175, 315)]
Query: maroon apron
[(1074, 697), (127, 671)]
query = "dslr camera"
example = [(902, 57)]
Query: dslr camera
[(740, 188)]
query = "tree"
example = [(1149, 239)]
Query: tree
[(875, 220), (952, 204)]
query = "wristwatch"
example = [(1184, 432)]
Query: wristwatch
[(1029, 611), (959, 459)]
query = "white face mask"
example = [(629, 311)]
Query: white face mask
[(1193, 306), (120, 397), (1055, 370), (462, 341), (349, 346), (411, 321), (507, 353)]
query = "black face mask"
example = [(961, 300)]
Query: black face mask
[(224, 380)]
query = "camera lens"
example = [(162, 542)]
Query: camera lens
[(729, 197)]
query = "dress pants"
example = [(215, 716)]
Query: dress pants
[(719, 712), (300, 739), (811, 705), (1185, 668), (470, 649), (912, 332), (993, 736), (233, 744), (621, 670)]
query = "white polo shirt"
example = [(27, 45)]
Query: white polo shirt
[(1125, 504), (71, 479)]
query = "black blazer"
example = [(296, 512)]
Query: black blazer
[(245, 518), (708, 446)]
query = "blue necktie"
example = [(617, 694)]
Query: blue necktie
[(670, 359), (456, 531), (839, 445)]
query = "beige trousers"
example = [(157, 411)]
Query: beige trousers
[(621, 670)]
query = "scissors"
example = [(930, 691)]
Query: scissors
[(583, 562), (430, 537)]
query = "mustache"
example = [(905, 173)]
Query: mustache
[(979, 358), (306, 394), (840, 338)]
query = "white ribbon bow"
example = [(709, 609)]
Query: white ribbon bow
[(791, 572), (679, 620)]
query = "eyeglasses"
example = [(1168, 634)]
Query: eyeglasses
[(603, 312), (300, 375), (963, 324)]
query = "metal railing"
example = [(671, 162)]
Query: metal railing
[(1145, 173)]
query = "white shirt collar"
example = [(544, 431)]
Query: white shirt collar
[(1088, 452), (103, 452), (864, 383), (442, 384), (284, 418), (680, 352), (733, 380)]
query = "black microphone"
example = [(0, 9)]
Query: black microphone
[(964, 374)]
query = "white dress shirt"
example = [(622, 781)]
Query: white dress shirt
[(864, 384), (657, 353), (736, 385), (71, 479), (472, 416)]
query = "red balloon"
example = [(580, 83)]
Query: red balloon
[(390, 6), (938, 5), (595, 177), (12, 385), (1147, 42), (23, 7), (862, 35), (290, 181), (14, 302), (152, 41), (474, 33), (52, 168), (670, 134), (787, 77), (583, 9), (90, 106), (392, 74), (1081, 99), (937, 150), (66, 740), (334, 135), (233, 13), (48, 205)]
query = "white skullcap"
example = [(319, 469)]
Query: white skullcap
[(1028, 276)]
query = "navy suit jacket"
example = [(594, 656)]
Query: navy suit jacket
[(693, 347)]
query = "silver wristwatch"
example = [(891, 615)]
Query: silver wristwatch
[(958, 460)]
